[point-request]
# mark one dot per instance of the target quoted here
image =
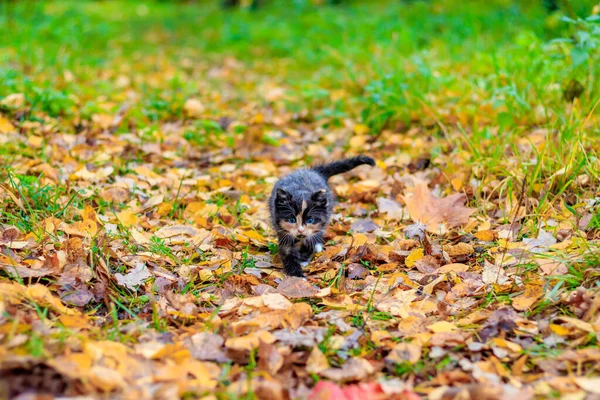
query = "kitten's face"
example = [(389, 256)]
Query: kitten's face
[(299, 218)]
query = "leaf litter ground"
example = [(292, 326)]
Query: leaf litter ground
[(137, 261)]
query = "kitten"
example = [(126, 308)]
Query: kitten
[(300, 206)]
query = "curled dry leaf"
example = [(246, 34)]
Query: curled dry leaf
[(250, 341), (391, 208), (296, 288), (135, 277), (355, 369), (404, 352), (317, 362), (438, 214)]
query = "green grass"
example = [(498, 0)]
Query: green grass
[(483, 90), (487, 71)]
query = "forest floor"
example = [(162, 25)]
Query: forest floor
[(141, 141)]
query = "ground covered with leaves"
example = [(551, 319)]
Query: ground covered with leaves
[(140, 142)]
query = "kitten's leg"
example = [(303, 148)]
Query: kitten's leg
[(319, 245), (292, 266), (291, 260), (308, 249)]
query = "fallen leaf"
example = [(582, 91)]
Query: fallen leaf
[(404, 352), (438, 214), (250, 341), (317, 362), (391, 208), (6, 126), (590, 385), (135, 277), (413, 257), (269, 358), (276, 301), (193, 108), (541, 243), (296, 288), (355, 369), (494, 274), (526, 300)]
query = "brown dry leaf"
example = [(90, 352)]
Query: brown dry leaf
[(317, 362), (391, 208), (250, 341), (13, 100), (269, 358), (41, 295), (531, 295), (128, 218), (193, 108), (297, 315), (455, 267), (404, 352), (590, 385), (355, 369), (486, 235), (438, 214), (275, 301), (6, 126), (442, 326), (296, 288), (135, 277)]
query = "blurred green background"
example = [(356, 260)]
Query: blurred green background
[(486, 69)]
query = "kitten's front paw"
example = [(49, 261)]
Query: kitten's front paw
[(318, 248), (304, 264)]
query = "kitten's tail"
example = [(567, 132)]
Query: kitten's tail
[(339, 167)]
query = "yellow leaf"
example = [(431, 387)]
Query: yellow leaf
[(74, 321), (128, 218), (257, 119), (579, 324), (88, 213), (250, 341), (164, 209), (6, 126), (317, 361), (442, 326), (591, 384), (456, 267), (413, 257), (526, 300), (193, 108), (438, 214), (139, 237), (507, 345), (254, 235), (35, 141), (486, 236), (357, 142), (360, 239), (105, 379), (361, 129), (456, 184), (276, 301), (559, 330), (405, 352), (14, 100), (41, 295)]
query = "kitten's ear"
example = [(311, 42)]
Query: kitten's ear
[(320, 198), (282, 196)]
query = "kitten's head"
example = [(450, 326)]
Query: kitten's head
[(299, 217)]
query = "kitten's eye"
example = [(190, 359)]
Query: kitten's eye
[(291, 220), (310, 220)]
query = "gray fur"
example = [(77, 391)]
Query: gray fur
[(304, 198), (301, 184)]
